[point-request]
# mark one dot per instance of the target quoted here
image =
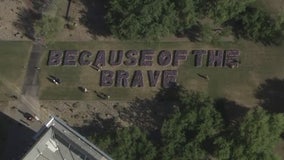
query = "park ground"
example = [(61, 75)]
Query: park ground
[(259, 66)]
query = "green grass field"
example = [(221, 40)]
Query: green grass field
[(258, 63), (13, 61)]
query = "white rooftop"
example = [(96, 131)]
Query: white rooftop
[(57, 141)]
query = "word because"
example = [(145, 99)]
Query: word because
[(129, 58)]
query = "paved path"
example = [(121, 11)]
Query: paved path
[(31, 84), (27, 98), (24, 101)]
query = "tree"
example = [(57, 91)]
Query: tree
[(254, 138), (42, 5), (3, 136), (221, 10), (224, 10), (136, 19), (127, 144), (256, 25), (47, 27), (186, 16), (223, 150), (190, 127)]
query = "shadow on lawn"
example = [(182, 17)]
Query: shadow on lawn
[(147, 114), (271, 95), (93, 18), (230, 110), (150, 114)]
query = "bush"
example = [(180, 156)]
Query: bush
[(47, 27)]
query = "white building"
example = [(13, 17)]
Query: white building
[(57, 141)]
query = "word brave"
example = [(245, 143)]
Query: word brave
[(122, 78)]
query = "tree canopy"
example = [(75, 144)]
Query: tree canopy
[(186, 15), (128, 144), (135, 19), (47, 27), (155, 19), (224, 10), (185, 133), (197, 130), (254, 138), (257, 25)]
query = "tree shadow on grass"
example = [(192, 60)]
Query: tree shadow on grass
[(93, 18), (230, 110), (147, 114), (271, 95), (194, 33), (25, 21), (240, 31)]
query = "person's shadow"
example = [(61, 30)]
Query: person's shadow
[(271, 95)]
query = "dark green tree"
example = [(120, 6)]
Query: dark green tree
[(136, 19), (257, 25), (195, 122), (223, 151), (254, 138), (224, 10), (47, 27), (42, 5), (127, 144), (186, 16)]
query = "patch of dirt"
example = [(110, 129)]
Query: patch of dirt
[(81, 32), (273, 6), (12, 10), (82, 113), (9, 14)]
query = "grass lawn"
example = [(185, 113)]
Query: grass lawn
[(13, 61), (258, 63)]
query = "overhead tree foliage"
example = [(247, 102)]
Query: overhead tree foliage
[(224, 10), (128, 144), (254, 138), (184, 134), (42, 5), (186, 16), (196, 130), (201, 7), (155, 19), (257, 25), (47, 27), (136, 19)]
